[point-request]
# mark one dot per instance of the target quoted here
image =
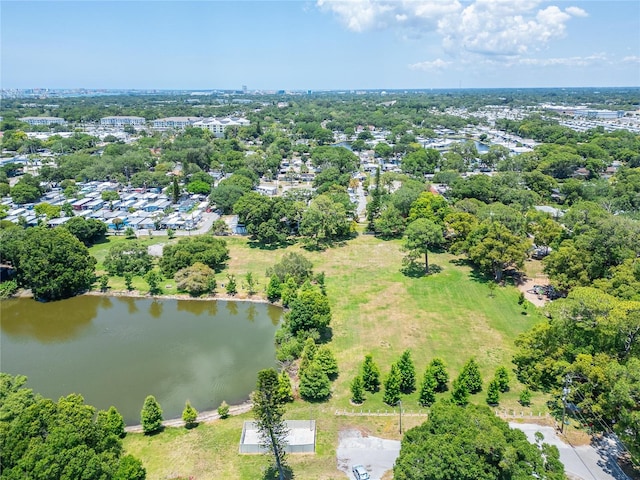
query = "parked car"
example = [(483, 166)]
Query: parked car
[(360, 473)]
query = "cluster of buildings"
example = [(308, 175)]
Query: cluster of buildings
[(139, 209)]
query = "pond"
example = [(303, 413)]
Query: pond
[(117, 350)]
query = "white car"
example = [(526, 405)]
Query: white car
[(360, 473)]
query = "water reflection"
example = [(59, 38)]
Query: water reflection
[(130, 302), (155, 309), (274, 313), (48, 322), (251, 313), (232, 307)]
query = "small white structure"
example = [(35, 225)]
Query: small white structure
[(301, 437)]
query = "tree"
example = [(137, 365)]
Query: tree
[(440, 374), (309, 311), (392, 386), (129, 233), (27, 190), (493, 392), (213, 252), (151, 416), (251, 283), (231, 287), (109, 195), (189, 416), (471, 443), (292, 265), (502, 377), (308, 354), (268, 412), (323, 222), (407, 372), (175, 190), (370, 374), (132, 257), (357, 390), (494, 248), (525, 397), (54, 263), (284, 388), (314, 383), (428, 388), (153, 279), (421, 236), (66, 439), (289, 291), (104, 283), (197, 279), (112, 421), (470, 376), (460, 393), (128, 280), (390, 224), (118, 223), (274, 288), (327, 361), (87, 230), (223, 410)]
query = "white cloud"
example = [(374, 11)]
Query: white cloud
[(576, 12), (486, 27), (562, 61), (437, 64), (631, 59)]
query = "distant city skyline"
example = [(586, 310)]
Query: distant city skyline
[(320, 45)]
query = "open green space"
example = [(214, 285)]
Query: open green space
[(377, 309)]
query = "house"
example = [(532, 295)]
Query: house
[(81, 204)]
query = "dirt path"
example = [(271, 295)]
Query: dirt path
[(537, 300)]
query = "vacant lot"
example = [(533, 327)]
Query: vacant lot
[(376, 309)]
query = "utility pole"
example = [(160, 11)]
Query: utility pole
[(565, 392)]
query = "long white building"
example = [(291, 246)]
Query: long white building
[(121, 121), (217, 126), (174, 122), (44, 120)]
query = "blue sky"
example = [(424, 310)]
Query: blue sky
[(356, 44)]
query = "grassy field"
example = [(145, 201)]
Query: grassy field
[(376, 309)]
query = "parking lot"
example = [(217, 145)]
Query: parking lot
[(376, 454)]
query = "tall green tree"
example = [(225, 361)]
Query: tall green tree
[(407, 372), (151, 415), (439, 369), (470, 376), (370, 374), (428, 388), (268, 412), (314, 383), (189, 415), (392, 386), (357, 390), (422, 235)]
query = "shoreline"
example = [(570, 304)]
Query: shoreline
[(203, 417), (181, 296)]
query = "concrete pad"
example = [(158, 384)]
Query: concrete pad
[(378, 455)]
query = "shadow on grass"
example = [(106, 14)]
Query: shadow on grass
[(416, 270), (155, 432), (271, 473)]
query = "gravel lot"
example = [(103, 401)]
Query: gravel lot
[(376, 454)]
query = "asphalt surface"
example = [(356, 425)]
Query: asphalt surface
[(376, 454)]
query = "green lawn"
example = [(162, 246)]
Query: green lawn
[(376, 309)]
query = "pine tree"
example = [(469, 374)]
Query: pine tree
[(370, 374), (268, 412), (314, 383), (308, 354), (128, 280), (502, 377), (284, 388), (327, 360), (440, 373), (189, 415), (392, 386), (428, 388), (274, 289), (175, 190), (460, 394), (112, 421), (525, 397), (357, 390), (151, 415), (470, 375), (232, 286), (407, 372), (289, 291), (493, 392)]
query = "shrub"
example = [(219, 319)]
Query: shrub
[(223, 410)]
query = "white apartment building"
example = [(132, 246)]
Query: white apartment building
[(121, 121), (217, 126), (174, 122), (43, 120)]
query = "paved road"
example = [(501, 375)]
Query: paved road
[(362, 203), (587, 462)]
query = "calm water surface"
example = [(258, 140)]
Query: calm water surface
[(117, 350)]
